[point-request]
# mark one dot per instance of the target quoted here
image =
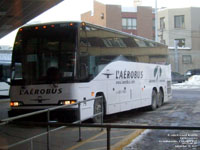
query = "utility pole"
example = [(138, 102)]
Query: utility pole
[(176, 60), (156, 20)]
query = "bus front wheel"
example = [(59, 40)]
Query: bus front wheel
[(98, 108)]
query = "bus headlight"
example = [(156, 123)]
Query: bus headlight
[(15, 104), (67, 102)]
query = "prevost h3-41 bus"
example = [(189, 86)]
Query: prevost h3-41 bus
[(66, 62)]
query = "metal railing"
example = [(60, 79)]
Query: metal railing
[(6, 121), (108, 128), (4, 101)]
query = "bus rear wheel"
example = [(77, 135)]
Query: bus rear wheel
[(154, 98), (160, 99)]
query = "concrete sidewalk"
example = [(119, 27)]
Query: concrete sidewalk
[(67, 138)]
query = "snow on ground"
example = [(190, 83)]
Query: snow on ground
[(192, 83)]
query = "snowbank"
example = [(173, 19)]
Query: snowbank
[(193, 82)]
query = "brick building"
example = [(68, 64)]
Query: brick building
[(135, 20)]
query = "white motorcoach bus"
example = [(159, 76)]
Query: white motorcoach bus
[(66, 62)]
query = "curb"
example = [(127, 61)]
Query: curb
[(120, 145)]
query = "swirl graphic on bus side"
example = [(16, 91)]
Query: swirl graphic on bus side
[(157, 72)]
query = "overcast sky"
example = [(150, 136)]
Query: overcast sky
[(70, 10)]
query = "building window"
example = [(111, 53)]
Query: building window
[(187, 59), (163, 41), (180, 42), (162, 23), (129, 23), (179, 21), (102, 16)]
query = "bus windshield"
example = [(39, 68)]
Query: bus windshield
[(44, 54)]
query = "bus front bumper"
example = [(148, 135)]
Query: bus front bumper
[(63, 115)]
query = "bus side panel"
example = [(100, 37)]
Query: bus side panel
[(125, 92)]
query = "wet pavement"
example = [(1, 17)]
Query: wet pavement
[(182, 110), (64, 139)]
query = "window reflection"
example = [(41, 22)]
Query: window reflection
[(99, 47)]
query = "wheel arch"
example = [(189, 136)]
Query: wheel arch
[(155, 89)]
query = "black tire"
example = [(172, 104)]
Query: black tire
[(97, 109), (154, 98), (160, 99)]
